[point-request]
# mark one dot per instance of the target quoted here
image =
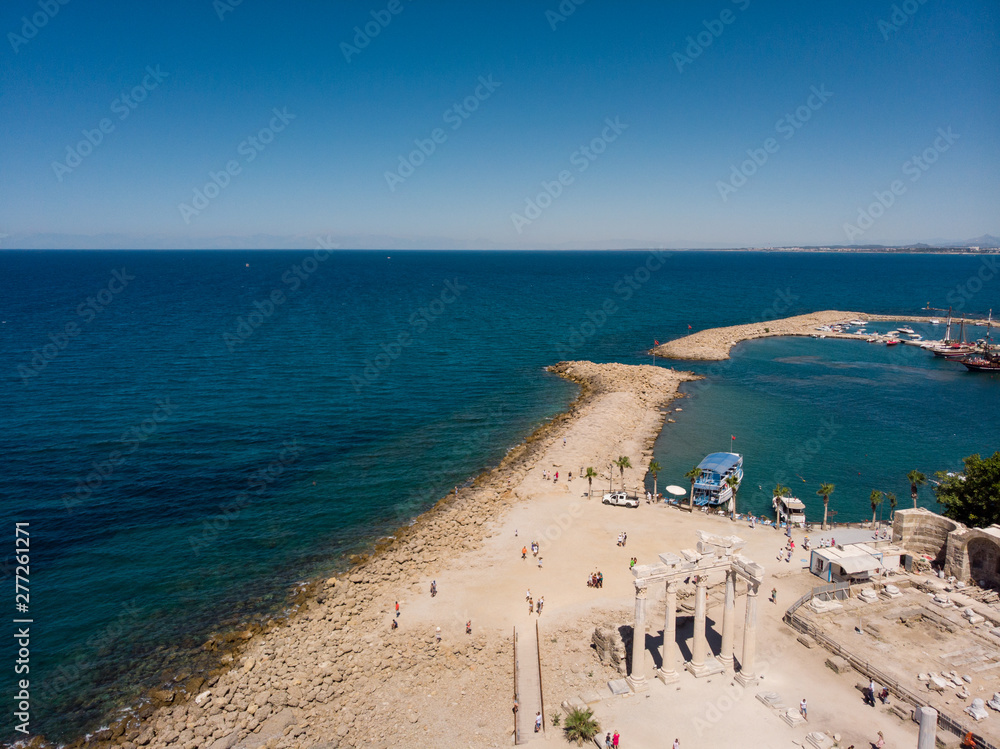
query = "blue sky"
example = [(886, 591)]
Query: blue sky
[(892, 77)]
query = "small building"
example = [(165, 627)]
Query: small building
[(836, 564)]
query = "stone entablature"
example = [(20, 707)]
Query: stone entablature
[(715, 554)]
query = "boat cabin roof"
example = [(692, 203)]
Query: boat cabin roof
[(792, 503), (720, 462)]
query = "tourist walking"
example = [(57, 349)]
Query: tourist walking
[(541, 602), (538, 721), (524, 552), (880, 742), (527, 596), (803, 708), (468, 627), (539, 562), (397, 608), (434, 588), (531, 607), (437, 634), (677, 744), (774, 595), (614, 740), (607, 741)]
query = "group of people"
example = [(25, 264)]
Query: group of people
[(534, 608), (596, 580), (632, 562), (611, 741), (871, 693), (534, 550), (548, 476), (622, 538), (786, 552)]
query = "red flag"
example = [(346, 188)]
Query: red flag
[(734, 437), (689, 327), (656, 342)]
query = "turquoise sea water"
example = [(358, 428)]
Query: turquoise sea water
[(219, 426)]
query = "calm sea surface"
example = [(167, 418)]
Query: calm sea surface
[(190, 434)]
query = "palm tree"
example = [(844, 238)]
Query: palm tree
[(623, 462), (590, 475), (581, 726), (825, 490), (916, 479), (693, 475), (654, 468), (876, 500), (779, 491), (892, 504), (733, 483)]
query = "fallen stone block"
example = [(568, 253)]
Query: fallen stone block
[(837, 664), (806, 640)]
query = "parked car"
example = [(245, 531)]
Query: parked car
[(621, 499)]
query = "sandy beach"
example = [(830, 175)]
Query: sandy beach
[(715, 344)]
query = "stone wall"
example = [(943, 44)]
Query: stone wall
[(974, 555), (610, 648), (921, 531)]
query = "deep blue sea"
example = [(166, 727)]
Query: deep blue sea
[(189, 434)]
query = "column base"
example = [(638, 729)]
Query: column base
[(727, 663), (668, 677), (710, 667), (637, 684), (747, 680)]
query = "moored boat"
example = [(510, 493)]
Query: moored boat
[(790, 510), (710, 488)]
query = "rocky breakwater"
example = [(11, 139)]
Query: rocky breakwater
[(337, 675), (715, 344)]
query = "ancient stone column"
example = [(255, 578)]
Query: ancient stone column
[(668, 670), (637, 679), (927, 738), (728, 621), (747, 675), (700, 644)]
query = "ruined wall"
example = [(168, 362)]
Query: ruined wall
[(607, 641), (921, 531), (974, 555)]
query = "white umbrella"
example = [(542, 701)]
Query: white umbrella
[(676, 491)]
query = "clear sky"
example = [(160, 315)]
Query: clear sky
[(689, 88)]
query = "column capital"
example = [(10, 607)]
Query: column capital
[(640, 590)]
